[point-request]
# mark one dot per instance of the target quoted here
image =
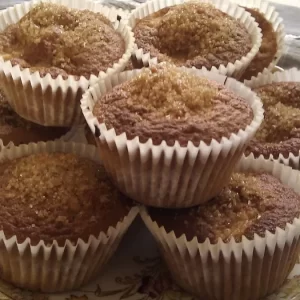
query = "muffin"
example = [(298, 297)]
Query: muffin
[(171, 133), (197, 34), (54, 52), (14, 128), (54, 39), (167, 104), (250, 231), (279, 134), (60, 208), (268, 49)]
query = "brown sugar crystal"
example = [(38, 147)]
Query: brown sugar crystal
[(280, 130), (166, 103), (54, 39), (268, 48), (57, 197), (193, 34), (250, 204)]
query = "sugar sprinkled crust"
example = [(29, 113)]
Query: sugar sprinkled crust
[(280, 130), (165, 103), (268, 48), (14, 128), (250, 204), (193, 34), (54, 39), (57, 197)]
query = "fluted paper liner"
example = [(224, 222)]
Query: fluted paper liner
[(266, 77), (49, 267), (169, 176), (250, 269), (140, 59), (270, 13), (235, 69), (48, 101)]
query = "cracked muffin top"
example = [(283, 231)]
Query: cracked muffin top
[(165, 103), (193, 34), (250, 204), (58, 197), (56, 40), (280, 129), (268, 48)]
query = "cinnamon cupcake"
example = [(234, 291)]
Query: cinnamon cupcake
[(279, 135), (17, 130), (54, 51), (250, 231), (61, 215), (273, 34), (197, 34), (170, 133)]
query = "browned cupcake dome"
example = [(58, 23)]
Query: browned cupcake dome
[(15, 129), (168, 104), (54, 39), (57, 197), (268, 48), (280, 130), (193, 34), (250, 204)]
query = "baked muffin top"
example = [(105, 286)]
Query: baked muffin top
[(268, 48), (250, 204), (280, 129), (54, 39), (57, 197), (193, 34), (168, 104), (14, 128)]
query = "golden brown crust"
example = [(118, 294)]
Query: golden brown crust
[(268, 48), (168, 104), (193, 34), (15, 129), (55, 39), (57, 197), (280, 130), (250, 204)]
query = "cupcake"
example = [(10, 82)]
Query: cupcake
[(241, 245), (197, 34), (279, 135), (61, 218), (17, 130), (169, 136), (52, 51), (272, 46)]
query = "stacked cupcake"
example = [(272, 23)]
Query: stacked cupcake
[(61, 217), (217, 35), (279, 136), (170, 133), (171, 136)]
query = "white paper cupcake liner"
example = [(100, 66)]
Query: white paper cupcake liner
[(270, 13), (50, 267), (140, 59), (48, 101), (267, 77), (249, 269), (235, 69), (169, 176)]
